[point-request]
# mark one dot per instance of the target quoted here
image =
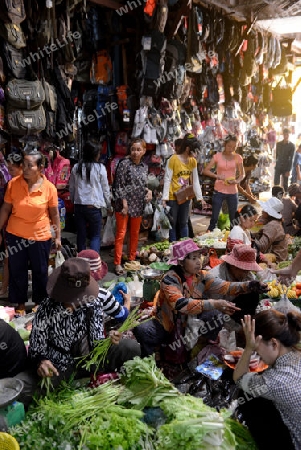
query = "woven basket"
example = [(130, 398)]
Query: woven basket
[(8, 442)]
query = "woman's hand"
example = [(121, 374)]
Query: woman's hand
[(57, 243), (149, 196), (47, 369), (115, 336), (126, 299), (125, 211), (225, 306), (248, 326)]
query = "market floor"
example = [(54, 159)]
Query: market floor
[(199, 223)]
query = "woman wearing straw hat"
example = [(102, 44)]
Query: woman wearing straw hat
[(183, 293), (272, 237), (236, 267), (73, 313)]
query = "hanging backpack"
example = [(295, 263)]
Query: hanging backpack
[(90, 98), (103, 107), (13, 34), (61, 172), (101, 69), (15, 62), (121, 143), (62, 213), (4, 178), (24, 94), (126, 105), (12, 11), (24, 121)]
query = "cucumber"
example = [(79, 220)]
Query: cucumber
[(121, 279)]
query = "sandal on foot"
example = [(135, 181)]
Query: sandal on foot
[(119, 270)]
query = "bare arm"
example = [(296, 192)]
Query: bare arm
[(55, 220), (207, 170), (5, 212)]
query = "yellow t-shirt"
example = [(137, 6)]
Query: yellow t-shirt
[(181, 173)]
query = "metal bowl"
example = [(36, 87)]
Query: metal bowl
[(151, 274), (10, 390)]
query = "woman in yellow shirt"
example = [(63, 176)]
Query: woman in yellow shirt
[(181, 170)]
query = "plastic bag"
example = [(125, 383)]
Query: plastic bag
[(119, 287), (59, 259), (148, 209), (108, 237), (163, 220), (284, 305)]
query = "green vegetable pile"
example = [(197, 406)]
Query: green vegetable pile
[(160, 246), (113, 417)]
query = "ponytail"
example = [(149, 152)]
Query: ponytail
[(284, 327)]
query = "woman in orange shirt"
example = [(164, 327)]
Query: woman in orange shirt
[(31, 209), (229, 173)]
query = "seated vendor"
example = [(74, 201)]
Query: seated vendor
[(237, 267), (73, 311), (13, 356), (276, 338), (182, 293)]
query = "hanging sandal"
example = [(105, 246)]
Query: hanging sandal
[(119, 270)]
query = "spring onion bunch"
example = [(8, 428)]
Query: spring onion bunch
[(145, 384), (98, 356)]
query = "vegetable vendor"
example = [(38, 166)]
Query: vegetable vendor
[(181, 295), (70, 321), (275, 337), (236, 268), (13, 356)]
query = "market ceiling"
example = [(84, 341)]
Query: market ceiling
[(281, 17)]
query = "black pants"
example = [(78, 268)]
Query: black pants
[(265, 424)]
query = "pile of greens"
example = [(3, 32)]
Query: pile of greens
[(113, 417)]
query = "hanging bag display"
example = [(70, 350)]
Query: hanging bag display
[(24, 94), (26, 121)]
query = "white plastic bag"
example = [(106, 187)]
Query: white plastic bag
[(59, 259), (108, 237)]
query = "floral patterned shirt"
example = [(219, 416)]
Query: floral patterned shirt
[(55, 329), (130, 184)]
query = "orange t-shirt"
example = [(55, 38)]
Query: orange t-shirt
[(30, 211)]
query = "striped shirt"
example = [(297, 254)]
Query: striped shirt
[(55, 329)]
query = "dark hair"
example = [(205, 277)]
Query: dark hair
[(246, 211), (286, 130), (136, 141), (251, 160), (178, 143), (40, 161), (277, 191), (190, 141), (274, 324), (90, 151), (15, 157), (230, 137)]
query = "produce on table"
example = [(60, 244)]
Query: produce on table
[(270, 257), (132, 265)]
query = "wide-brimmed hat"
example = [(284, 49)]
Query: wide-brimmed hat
[(181, 249), (272, 207), (98, 268), (242, 256), (72, 283)]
